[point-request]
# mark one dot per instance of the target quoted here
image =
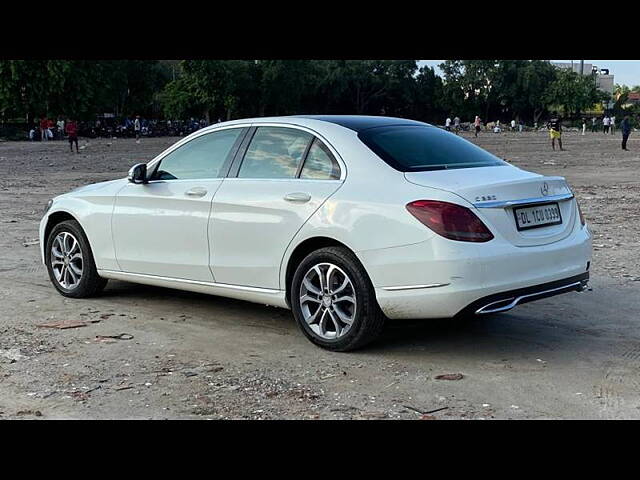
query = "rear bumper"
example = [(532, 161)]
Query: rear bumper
[(502, 302), (440, 279)]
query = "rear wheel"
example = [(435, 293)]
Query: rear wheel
[(333, 300), (70, 263)]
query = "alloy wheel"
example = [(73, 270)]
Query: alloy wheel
[(328, 301), (66, 260)]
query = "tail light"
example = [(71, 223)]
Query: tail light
[(582, 220), (452, 221)]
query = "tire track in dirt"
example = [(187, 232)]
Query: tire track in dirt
[(619, 382)]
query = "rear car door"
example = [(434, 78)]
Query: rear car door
[(281, 176), (160, 228)]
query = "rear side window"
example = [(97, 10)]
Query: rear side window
[(274, 152), (320, 163), (418, 148)]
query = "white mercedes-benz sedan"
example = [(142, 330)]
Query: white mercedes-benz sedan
[(346, 220)]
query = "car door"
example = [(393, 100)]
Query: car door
[(160, 228), (281, 176)]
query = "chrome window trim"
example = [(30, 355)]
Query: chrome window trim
[(525, 201)]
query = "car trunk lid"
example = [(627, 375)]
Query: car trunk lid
[(497, 190)]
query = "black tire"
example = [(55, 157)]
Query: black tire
[(90, 283), (368, 320)]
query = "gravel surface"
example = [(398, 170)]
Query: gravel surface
[(203, 357)]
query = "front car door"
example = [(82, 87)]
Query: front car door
[(281, 176), (160, 228)]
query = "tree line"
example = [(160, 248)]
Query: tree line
[(228, 89)]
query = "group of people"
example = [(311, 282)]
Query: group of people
[(456, 124), (477, 125), (554, 125), (608, 124), (48, 130)]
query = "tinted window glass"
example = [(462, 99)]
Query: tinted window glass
[(202, 157), (408, 148), (320, 164), (274, 152)]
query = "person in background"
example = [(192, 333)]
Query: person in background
[(594, 127), (476, 124), (44, 124), (513, 125), (447, 124), (625, 126), (612, 125), (71, 129), (584, 125), (555, 130), (456, 124), (606, 121), (137, 128), (520, 126), (60, 128)]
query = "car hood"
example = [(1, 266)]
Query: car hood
[(101, 188)]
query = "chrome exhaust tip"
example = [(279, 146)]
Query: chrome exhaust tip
[(505, 304)]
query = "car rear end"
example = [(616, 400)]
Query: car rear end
[(502, 236)]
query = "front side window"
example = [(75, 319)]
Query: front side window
[(202, 157), (320, 163), (274, 152), (418, 148)]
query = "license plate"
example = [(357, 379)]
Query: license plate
[(538, 216)]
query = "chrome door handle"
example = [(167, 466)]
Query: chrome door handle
[(299, 197), (196, 192)]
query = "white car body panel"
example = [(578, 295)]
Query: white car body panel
[(252, 225), (237, 240), (158, 229)]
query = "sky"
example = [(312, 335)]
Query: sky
[(626, 72)]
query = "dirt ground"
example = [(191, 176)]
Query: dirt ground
[(203, 357)]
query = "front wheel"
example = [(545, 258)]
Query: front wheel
[(333, 300), (70, 261)]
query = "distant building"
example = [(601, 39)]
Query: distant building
[(603, 79), (633, 99)]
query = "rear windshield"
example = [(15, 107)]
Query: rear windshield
[(417, 148)]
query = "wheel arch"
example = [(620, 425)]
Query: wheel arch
[(54, 219), (303, 249)]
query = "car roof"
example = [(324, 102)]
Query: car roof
[(361, 122)]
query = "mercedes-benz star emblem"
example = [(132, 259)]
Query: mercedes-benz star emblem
[(544, 189)]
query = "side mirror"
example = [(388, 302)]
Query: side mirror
[(138, 173)]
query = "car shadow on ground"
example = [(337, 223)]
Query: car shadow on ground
[(527, 331)]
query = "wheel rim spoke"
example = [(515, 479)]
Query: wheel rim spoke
[(343, 316), (310, 287), (345, 284), (322, 324), (335, 322), (346, 298), (77, 271), (307, 298), (321, 278)]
